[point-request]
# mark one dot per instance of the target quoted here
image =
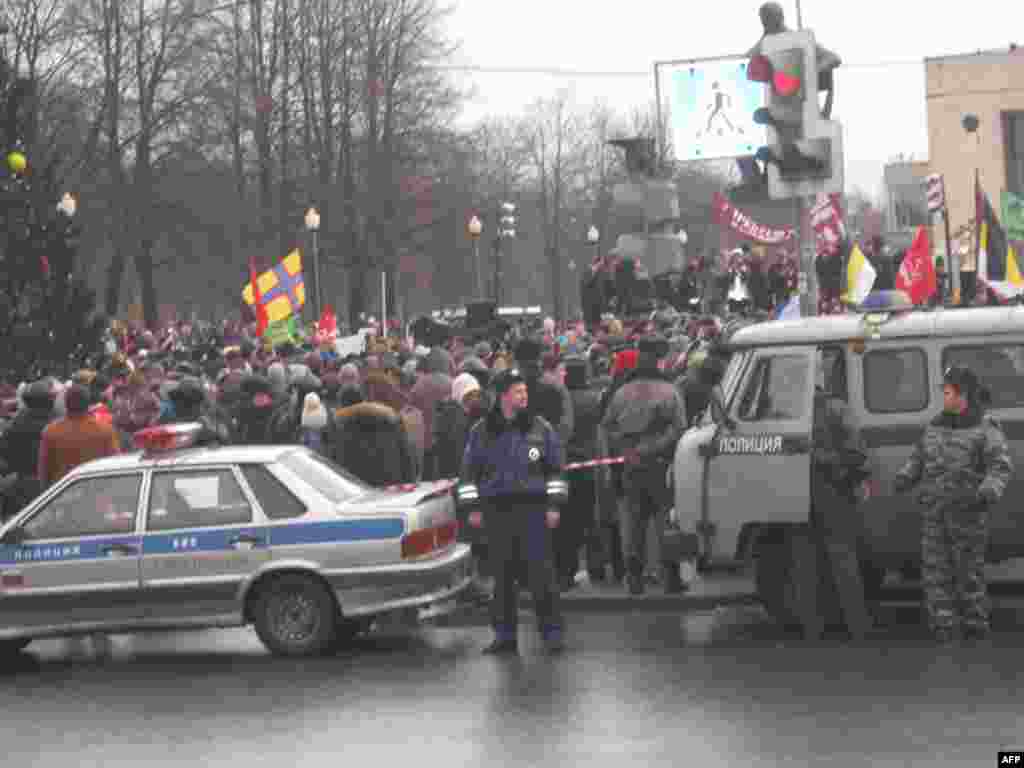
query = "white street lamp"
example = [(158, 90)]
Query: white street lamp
[(475, 227), (593, 236), (683, 237), (313, 227)]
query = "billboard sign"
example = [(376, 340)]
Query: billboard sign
[(707, 108)]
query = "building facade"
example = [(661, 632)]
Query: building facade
[(990, 86)]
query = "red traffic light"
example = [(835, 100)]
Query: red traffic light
[(786, 84), (784, 70)]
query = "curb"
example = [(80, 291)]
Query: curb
[(476, 614)]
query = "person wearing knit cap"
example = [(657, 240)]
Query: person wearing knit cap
[(511, 483)]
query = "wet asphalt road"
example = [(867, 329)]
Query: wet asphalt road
[(709, 688)]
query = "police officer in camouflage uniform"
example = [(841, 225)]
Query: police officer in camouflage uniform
[(962, 466)]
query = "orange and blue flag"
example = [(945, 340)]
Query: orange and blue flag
[(282, 290)]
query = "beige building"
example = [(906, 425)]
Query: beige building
[(989, 85)]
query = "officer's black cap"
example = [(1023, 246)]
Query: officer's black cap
[(505, 380), (528, 351), (654, 346)]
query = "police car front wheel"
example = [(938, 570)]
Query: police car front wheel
[(296, 616)]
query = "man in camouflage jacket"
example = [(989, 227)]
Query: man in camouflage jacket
[(962, 466)]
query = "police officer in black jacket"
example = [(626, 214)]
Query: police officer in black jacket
[(512, 481)]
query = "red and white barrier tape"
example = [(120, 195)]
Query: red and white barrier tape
[(594, 463), (410, 487)]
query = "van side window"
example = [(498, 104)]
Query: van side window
[(776, 390), (999, 367), (896, 380)]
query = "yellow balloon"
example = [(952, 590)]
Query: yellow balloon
[(17, 162)]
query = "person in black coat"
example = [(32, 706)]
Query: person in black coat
[(19, 446), (578, 520)]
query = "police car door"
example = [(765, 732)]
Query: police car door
[(201, 543), (760, 465), (76, 560)]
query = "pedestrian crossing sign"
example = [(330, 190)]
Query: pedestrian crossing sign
[(708, 108)]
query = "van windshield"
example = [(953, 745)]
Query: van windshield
[(732, 375)]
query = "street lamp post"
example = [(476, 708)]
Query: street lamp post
[(67, 207), (313, 227), (970, 123), (475, 227)]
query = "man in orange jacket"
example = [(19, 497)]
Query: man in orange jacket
[(74, 440)]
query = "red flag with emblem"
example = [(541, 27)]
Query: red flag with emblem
[(917, 272)]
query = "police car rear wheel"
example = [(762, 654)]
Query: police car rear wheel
[(296, 616)]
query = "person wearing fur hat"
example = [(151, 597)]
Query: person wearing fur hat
[(369, 440), (643, 422)]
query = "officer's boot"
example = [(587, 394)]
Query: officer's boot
[(635, 577), (673, 583)]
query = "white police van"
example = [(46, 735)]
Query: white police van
[(742, 476)]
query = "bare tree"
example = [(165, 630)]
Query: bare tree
[(556, 143)]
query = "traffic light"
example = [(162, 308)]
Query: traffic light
[(804, 153), (507, 220)]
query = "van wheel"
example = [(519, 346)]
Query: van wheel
[(772, 575), (296, 616)]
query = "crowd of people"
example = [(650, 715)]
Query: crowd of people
[(396, 413)]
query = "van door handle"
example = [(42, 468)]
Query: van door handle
[(120, 549)]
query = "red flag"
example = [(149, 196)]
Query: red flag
[(44, 263), (328, 324), (257, 300), (917, 272)]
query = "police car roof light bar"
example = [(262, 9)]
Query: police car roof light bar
[(167, 437)]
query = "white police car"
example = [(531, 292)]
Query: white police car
[(177, 536)]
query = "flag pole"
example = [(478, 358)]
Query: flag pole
[(952, 259)]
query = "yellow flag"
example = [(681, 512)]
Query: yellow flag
[(860, 277), (282, 288), (1013, 275)]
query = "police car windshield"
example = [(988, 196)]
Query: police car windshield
[(324, 476)]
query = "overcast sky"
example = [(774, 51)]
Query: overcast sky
[(879, 90)]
